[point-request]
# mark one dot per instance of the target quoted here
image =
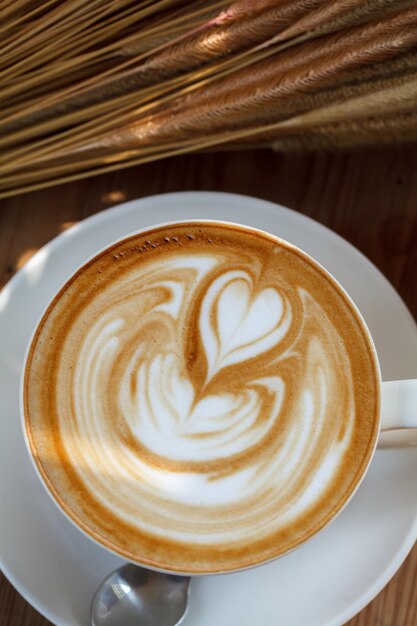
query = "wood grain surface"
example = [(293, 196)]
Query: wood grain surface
[(370, 198)]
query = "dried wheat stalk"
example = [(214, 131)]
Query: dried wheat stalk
[(92, 86)]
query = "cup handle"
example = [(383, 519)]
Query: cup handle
[(398, 414)]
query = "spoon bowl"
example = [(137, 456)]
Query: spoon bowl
[(134, 596)]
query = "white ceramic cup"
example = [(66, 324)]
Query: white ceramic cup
[(398, 399)]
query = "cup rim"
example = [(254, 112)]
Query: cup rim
[(49, 488)]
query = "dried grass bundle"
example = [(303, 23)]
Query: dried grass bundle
[(89, 86)]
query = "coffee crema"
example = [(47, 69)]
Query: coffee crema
[(201, 397)]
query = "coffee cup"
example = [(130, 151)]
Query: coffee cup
[(202, 397)]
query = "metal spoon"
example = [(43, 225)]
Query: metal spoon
[(133, 596)]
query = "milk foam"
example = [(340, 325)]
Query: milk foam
[(163, 414), (204, 397)]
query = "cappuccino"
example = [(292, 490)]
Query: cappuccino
[(201, 397)]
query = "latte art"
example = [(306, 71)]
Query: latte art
[(210, 399)]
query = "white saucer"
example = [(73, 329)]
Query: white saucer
[(323, 583)]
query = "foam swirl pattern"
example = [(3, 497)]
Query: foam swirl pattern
[(210, 401)]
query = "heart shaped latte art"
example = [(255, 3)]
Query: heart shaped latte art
[(177, 421), (237, 324)]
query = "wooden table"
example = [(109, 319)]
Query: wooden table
[(369, 198)]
